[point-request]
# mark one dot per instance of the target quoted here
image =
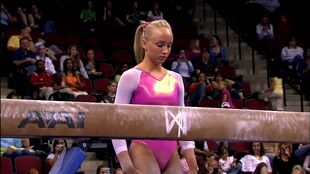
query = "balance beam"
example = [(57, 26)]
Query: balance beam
[(33, 118)]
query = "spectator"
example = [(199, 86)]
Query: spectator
[(91, 65), (256, 156), (124, 68), (155, 13), (285, 160), (183, 67), (226, 101), (306, 164), (134, 15), (23, 61), (58, 146), (71, 80), (227, 164), (88, 18), (35, 18), (21, 16), (197, 91), (77, 62), (48, 64), (42, 82), (14, 41), (110, 96), (293, 55), (218, 51), (275, 92), (297, 169), (6, 17), (101, 169), (264, 31), (261, 169), (194, 52), (206, 65)]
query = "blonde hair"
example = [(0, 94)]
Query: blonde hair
[(144, 30)]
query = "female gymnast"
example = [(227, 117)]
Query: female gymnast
[(149, 83)]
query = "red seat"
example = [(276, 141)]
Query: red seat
[(121, 44), (89, 87), (53, 38), (24, 163), (92, 41), (121, 56), (247, 91), (228, 72), (99, 55), (212, 145), (210, 103), (238, 103), (86, 98), (107, 69), (204, 43), (180, 43), (101, 85), (256, 104), (239, 146), (72, 39), (6, 165), (81, 52)]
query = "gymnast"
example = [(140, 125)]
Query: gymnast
[(148, 83)]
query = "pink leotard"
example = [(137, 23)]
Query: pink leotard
[(139, 87)]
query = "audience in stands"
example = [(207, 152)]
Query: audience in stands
[(183, 66), (14, 41), (102, 169), (88, 18), (6, 17), (48, 63), (297, 169), (226, 101), (265, 33), (35, 17), (124, 68), (77, 62), (285, 160), (109, 97), (90, 64), (21, 16), (197, 90), (71, 79), (227, 164), (194, 52), (257, 155), (261, 169), (306, 164), (58, 146), (206, 65), (292, 54), (42, 82), (155, 13), (217, 51), (134, 15), (284, 28)]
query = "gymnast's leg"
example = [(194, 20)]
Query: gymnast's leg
[(143, 159), (174, 164)]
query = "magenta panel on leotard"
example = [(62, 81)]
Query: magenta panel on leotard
[(154, 91)]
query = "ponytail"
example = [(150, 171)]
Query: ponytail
[(138, 49)]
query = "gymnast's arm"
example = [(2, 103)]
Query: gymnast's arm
[(186, 146), (126, 86)]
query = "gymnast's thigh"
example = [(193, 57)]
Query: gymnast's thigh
[(174, 164), (143, 159)]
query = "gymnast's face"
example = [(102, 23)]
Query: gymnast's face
[(158, 45)]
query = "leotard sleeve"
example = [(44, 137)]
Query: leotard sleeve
[(126, 86)]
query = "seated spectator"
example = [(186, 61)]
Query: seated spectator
[(23, 62), (227, 164), (249, 162), (77, 62), (110, 96), (297, 169), (124, 68), (134, 15), (206, 65), (275, 92), (32, 171), (88, 18), (21, 17), (112, 23), (90, 63), (293, 55), (155, 13), (183, 66), (306, 164), (285, 160), (42, 82), (14, 41), (35, 18), (226, 101), (6, 17), (194, 53), (101, 169), (265, 34), (51, 50), (217, 51), (261, 169), (58, 146), (305, 76), (71, 80), (48, 64), (197, 91)]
